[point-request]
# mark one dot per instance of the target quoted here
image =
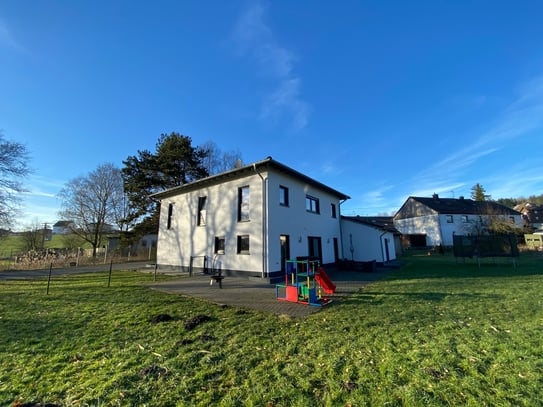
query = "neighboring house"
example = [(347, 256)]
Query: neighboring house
[(63, 227), (367, 238), (532, 215), (249, 221), (433, 221)]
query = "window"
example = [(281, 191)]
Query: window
[(311, 204), (243, 204), (283, 195), (449, 219), (170, 216), (243, 244), (333, 210), (219, 245), (201, 211), (464, 219), (512, 219)]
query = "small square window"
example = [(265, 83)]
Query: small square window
[(243, 244), (464, 219), (449, 219), (219, 245)]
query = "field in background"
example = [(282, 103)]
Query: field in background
[(438, 331), (63, 251)]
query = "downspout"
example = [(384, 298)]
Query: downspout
[(264, 223), (341, 229)]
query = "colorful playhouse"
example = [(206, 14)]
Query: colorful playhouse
[(305, 283)]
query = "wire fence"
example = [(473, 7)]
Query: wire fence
[(62, 258)]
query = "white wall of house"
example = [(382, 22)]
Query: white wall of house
[(439, 229), (298, 223), (268, 221), (185, 238), (428, 225), (365, 243)]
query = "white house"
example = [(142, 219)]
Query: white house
[(433, 221), (63, 227), (249, 220), (369, 238)]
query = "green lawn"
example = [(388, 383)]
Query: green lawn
[(435, 332)]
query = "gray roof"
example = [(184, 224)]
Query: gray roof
[(384, 223), (459, 206), (267, 163)]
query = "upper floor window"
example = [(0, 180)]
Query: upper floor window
[(170, 216), (334, 211), (243, 204), (512, 219), (201, 211), (464, 218), (283, 196), (449, 219), (312, 204)]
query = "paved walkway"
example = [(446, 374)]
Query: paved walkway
[(258, 294)]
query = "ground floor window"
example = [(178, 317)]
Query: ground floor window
[(219, 245), (243, 244)]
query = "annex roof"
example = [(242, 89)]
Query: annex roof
[(256, 167), (384, 223)]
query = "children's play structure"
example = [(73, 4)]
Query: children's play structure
[(305, 282)]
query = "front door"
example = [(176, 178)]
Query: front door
[(315, 248), (285, 251)]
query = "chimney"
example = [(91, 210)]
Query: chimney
[(435, 196), (461, 197)]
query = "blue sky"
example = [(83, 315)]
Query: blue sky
[(377, 99)]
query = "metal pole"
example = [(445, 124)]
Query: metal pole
[(49, 278), (109, 278)]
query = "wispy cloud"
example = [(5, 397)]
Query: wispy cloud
[(7, 40), (520, 118), (255, 40)]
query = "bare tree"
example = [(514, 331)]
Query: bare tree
[(13, 169), (217, 161), (92, 202), (34, 236)]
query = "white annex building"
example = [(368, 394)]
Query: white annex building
[(249, 220)]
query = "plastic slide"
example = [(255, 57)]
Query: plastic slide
[(324, 281)]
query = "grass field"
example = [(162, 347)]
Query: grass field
[(434, 332)]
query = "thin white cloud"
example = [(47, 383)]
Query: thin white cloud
[(521, 118), (7, 40), (254, 39)]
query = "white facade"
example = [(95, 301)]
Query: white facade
[(366, 243), (195, 218), (440, 228)]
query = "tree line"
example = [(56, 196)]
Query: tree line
[(109, 196)]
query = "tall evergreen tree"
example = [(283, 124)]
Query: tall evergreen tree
[(174, 163), (478, 193)]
